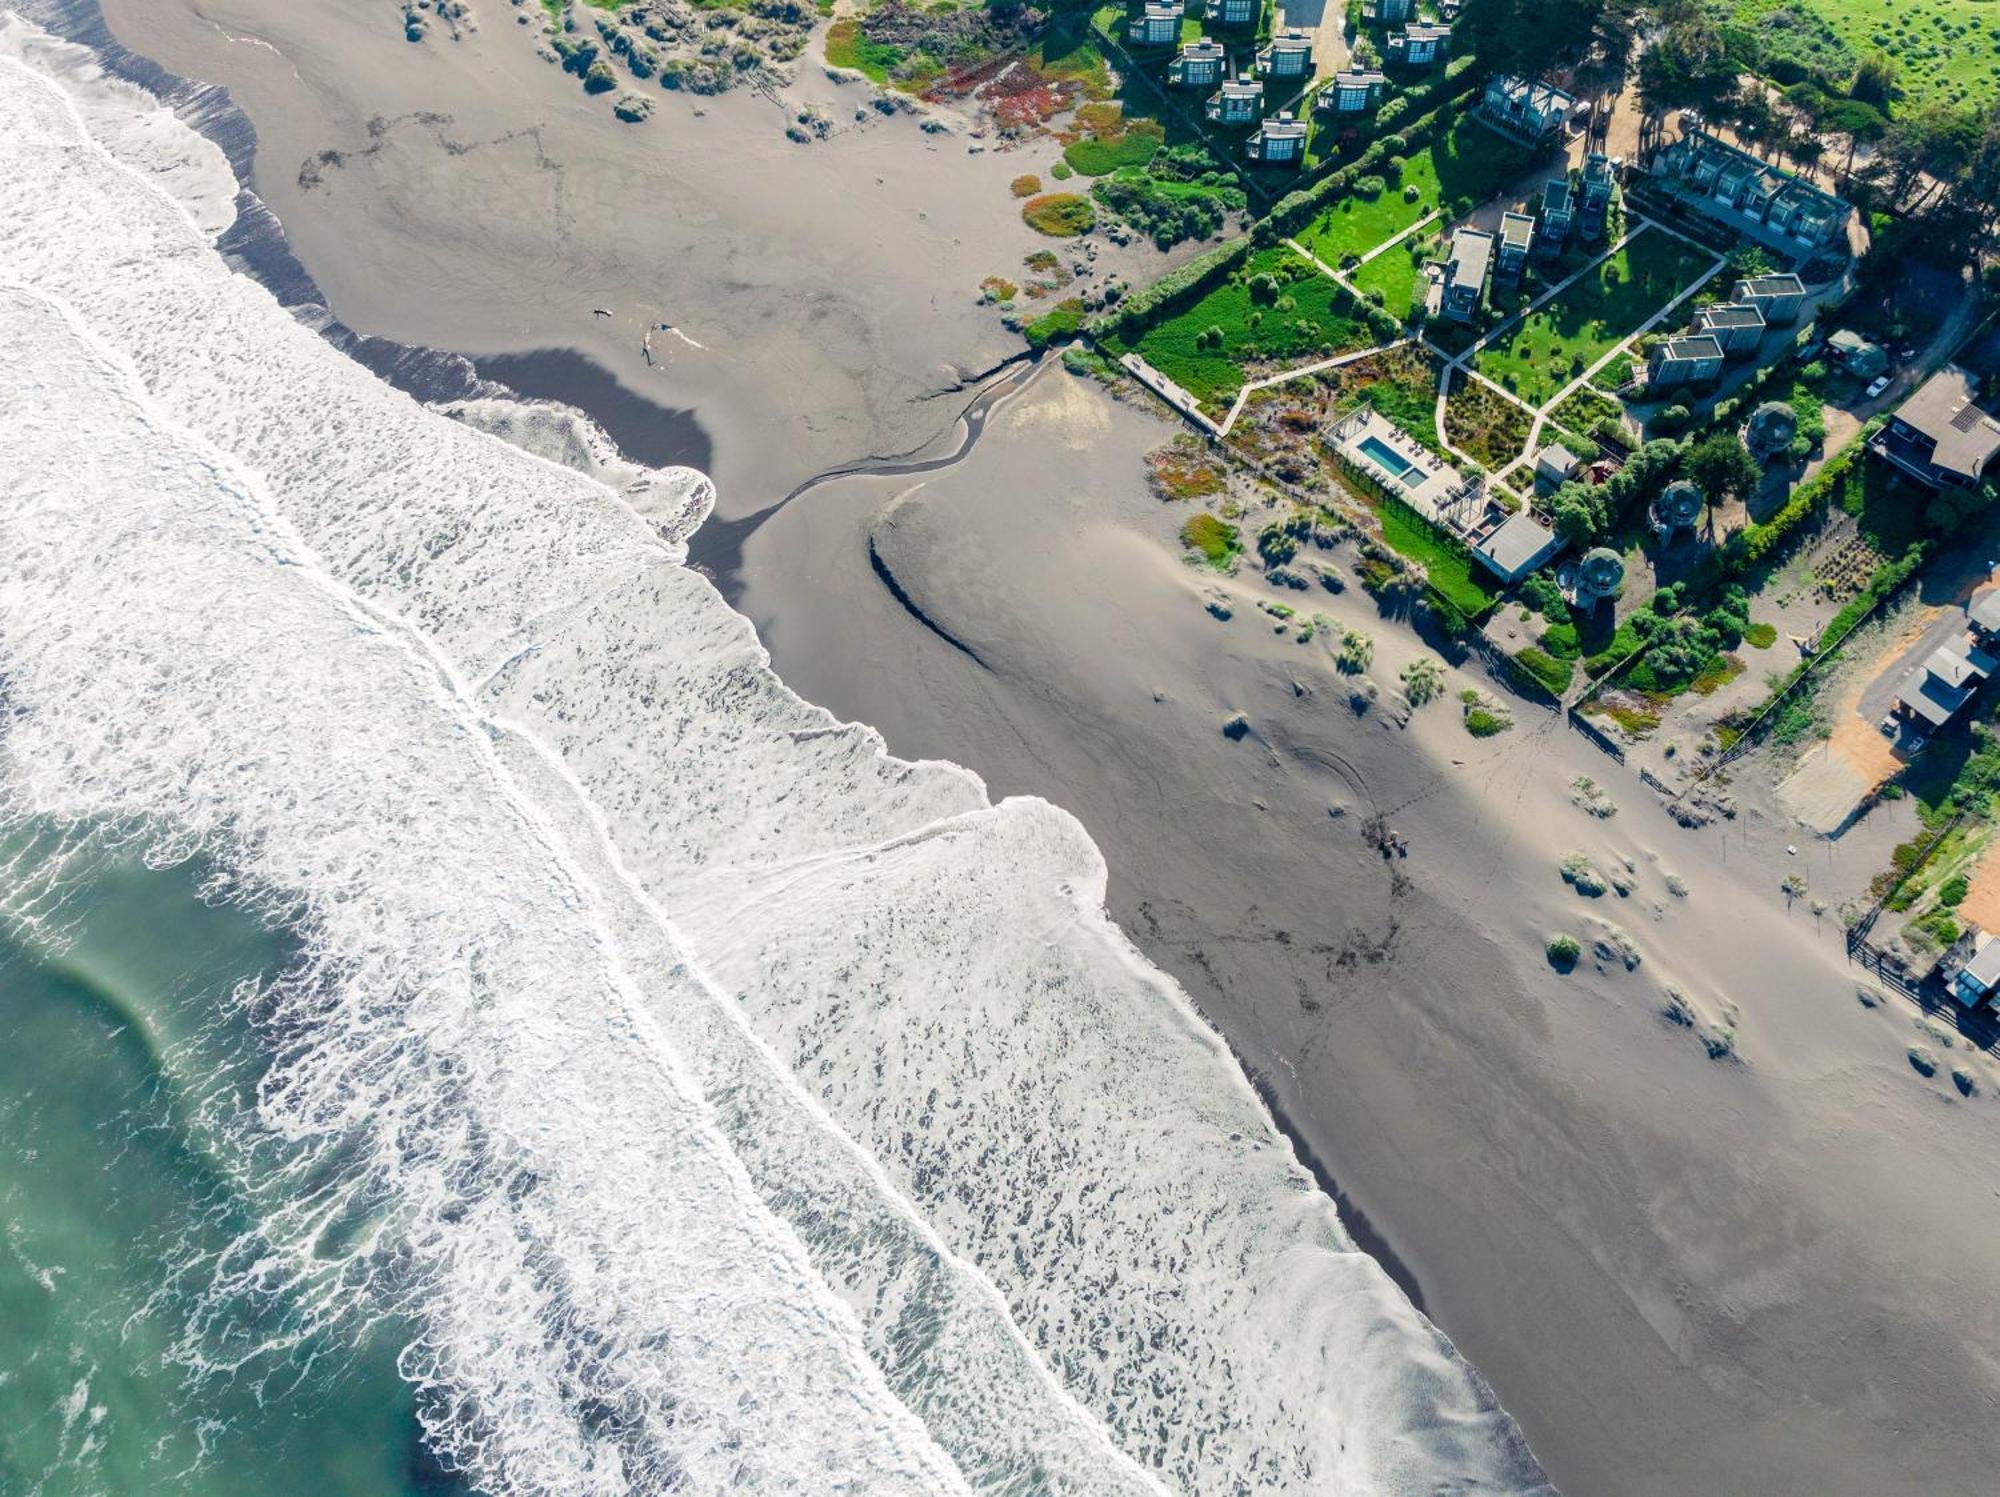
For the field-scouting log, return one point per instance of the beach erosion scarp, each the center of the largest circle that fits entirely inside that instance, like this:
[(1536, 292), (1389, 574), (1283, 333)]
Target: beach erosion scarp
[(708, 1062)]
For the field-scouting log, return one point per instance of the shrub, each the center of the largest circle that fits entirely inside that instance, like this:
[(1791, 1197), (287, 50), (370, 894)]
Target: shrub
[(1025, 186), (1671, 419), (1062, 171), (1423, 680), (1215, 541), (1953, 891), (1357, 650), (1564, 952), (1060, 215), (1063, 320), (1582, 875), (1544, 670), (1483, 723)]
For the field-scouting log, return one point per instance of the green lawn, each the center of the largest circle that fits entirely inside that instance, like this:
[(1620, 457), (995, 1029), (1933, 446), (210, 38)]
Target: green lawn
[(1557, 343), (1397, 275), (1453, 573), (1944, 49), (1461, 168), (1298, 315)]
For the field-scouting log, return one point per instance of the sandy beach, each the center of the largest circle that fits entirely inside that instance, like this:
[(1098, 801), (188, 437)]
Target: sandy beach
[(1766, 1271)]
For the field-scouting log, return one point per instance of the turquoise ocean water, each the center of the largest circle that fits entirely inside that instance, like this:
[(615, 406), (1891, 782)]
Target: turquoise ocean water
[(109, 1191)]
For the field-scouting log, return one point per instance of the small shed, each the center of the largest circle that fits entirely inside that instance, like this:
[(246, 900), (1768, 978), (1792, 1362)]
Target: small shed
[(1517, 547), (1555, 465), (1863, 359)]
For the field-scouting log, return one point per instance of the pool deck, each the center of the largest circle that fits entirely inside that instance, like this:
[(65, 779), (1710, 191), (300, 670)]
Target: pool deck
[(1427, 485)]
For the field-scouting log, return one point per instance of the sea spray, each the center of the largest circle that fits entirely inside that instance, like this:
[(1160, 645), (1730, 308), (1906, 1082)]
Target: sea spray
[(725, 1100)]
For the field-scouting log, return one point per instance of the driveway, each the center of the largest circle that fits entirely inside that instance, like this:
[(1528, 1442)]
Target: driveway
[(1327, 21)]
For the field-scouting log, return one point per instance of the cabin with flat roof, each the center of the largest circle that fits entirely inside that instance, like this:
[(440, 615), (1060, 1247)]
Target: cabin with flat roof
[(1779, 297), (1157, 25), (1199, 64), (1233, 12), (1940, 435), (1517, 240), (1289, 54), (1517, 546), (1558, 216), (1594, 190), (1757, 200), (1460, 280), (1279, 140), (1239, 101), (1420, 44), (1527, 110), (1738, 328), (1351, 91), (1684, 359)]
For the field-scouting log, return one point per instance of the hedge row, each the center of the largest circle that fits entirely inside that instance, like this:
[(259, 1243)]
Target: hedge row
[(1197, 275), (1754, 543)]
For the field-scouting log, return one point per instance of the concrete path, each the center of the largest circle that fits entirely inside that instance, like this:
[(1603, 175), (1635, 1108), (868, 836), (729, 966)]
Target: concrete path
[(1301, 372)]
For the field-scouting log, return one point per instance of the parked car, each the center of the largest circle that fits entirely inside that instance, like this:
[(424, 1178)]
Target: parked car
[(1880, 383)]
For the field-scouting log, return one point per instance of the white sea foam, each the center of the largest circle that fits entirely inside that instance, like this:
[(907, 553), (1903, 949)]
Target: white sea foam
[(727, 1103)]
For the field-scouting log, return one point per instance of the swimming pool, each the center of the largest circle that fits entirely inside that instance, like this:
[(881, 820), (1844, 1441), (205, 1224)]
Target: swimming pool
[(1387, 458)]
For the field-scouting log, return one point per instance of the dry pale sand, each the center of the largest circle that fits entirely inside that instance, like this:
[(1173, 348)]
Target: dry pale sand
[(1770, 1275)]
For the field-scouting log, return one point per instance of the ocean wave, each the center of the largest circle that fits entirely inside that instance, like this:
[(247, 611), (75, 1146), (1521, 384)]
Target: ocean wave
[(727, 1102)]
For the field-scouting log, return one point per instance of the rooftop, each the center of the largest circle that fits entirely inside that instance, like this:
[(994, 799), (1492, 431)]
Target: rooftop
[(1471, 252), (1555, 196), (1517, 230), (1559, 457), (1517, 545), (1985, 614), (1781, 284), (1359, 78), (1693, 346), (1984, 968), (1943, 410), (1730, 314), (1207, 49)]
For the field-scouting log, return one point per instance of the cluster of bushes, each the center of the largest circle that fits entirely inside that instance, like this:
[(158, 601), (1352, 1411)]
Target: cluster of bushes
[(1298, 208), (1169, 212), (1586, 512), (1682, 644)]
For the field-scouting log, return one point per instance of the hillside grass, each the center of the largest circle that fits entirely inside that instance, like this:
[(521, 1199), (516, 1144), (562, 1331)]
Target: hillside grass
[(1944, 49)]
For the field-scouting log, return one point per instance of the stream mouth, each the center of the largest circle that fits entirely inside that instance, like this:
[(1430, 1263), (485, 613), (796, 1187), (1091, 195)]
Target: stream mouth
[(716, 549)]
